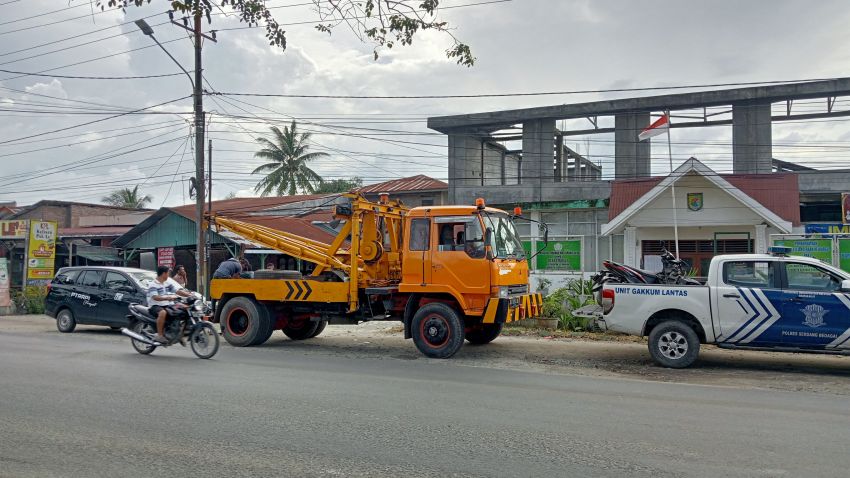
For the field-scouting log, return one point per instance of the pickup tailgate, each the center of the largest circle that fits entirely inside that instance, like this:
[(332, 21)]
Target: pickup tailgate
[(627, 307)]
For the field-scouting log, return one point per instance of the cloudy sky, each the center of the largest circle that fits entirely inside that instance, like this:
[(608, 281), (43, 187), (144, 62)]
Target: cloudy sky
[(520, 45)]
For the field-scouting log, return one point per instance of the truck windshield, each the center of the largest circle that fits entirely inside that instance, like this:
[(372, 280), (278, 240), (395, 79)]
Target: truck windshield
[(505, 240)]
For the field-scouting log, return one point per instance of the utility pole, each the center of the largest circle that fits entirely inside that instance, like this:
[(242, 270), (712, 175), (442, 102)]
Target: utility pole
[(198, 100), (201, 253)]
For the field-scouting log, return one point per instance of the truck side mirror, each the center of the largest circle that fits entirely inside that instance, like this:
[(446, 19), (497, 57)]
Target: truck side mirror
[(845, 285)]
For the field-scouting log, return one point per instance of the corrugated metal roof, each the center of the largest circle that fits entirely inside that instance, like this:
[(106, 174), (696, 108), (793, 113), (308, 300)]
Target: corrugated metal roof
[(778, 192), (94, 231), (245, 205), (419, 182)]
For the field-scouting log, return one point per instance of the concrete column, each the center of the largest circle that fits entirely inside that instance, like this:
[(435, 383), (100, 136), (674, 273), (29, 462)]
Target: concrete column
[(631, 157), (761, 239), (538, 154), (630, 246), (464, 162), (752, 139)]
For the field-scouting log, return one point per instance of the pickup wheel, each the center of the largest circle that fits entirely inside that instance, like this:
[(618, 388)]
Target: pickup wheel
[(244, 322), (437, 330), (673, 344), (484, 334)]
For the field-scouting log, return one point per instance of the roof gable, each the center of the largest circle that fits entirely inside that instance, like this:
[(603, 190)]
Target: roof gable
[(629, 197)]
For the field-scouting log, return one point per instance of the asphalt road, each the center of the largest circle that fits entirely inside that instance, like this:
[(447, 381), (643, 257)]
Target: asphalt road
[(87, 405)]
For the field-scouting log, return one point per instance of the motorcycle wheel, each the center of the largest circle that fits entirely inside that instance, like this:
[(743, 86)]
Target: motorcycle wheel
[(143, 328), (204, 341)]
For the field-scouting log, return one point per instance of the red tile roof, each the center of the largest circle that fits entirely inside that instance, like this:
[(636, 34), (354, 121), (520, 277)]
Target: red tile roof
[(413, 183), (778, 192), (245, 205)]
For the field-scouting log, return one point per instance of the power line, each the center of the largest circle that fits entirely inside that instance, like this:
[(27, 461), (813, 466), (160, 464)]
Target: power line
[(501, 95), (42, 14), (23, 73), (92, 122)]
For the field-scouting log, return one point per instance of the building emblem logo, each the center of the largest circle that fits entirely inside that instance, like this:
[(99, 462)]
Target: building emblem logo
[(694, 201), (814, 315)]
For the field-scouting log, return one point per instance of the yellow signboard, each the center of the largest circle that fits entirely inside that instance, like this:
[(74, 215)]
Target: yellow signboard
[(41, 251)]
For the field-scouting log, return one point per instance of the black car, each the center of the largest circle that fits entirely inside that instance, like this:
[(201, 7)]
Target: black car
[(95, 295)]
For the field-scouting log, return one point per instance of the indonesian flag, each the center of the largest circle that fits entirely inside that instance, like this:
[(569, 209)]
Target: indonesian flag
[(660, 126)]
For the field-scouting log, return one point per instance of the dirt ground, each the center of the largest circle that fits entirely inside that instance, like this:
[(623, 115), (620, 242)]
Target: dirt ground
[(608, 357)]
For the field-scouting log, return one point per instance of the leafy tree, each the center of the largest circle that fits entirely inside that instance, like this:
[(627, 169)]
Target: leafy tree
[(339, 185), (384, 23), (287, 172), (129, 198)]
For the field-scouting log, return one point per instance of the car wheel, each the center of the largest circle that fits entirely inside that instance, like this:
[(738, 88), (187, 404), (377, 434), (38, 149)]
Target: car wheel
[(673, 344), (65, 321)]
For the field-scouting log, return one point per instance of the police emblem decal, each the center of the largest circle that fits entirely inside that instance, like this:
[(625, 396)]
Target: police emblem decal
[(814, 315)]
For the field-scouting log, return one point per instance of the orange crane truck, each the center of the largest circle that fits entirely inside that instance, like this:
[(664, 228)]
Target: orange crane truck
[(448, 273)]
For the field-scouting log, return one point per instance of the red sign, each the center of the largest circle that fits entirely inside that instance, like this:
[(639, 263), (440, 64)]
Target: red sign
[(165, 256), (845, 208)]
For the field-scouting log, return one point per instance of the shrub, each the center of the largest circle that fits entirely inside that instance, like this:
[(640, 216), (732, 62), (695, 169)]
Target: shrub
[(561, 302), (31, 299)]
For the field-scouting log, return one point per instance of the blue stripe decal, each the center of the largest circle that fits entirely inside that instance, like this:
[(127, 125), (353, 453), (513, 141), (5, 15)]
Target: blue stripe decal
[(769, 316), (747, 322)]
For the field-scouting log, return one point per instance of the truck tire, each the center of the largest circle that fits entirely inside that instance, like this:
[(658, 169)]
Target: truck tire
[(265, 333), (484, 334), (267, 274), (244, 321), (320, 328), (673, 344), (437, 330), (302, 330)]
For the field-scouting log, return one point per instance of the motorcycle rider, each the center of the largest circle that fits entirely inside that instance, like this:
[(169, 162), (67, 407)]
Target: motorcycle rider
[(162, 294)]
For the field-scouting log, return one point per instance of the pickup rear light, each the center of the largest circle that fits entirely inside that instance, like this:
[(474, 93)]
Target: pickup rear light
[(607, 300)]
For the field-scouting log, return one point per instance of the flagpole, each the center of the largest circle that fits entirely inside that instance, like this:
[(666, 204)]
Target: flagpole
[(672, 186)]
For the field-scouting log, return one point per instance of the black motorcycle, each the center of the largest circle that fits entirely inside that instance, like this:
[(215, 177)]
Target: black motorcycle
[(191, 324), (672, 273)]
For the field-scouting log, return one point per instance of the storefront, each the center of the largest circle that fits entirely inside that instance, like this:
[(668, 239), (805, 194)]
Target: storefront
[(715, 214)]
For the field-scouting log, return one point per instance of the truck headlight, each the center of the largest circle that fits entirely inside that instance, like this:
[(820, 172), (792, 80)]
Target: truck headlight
[(504, 292)]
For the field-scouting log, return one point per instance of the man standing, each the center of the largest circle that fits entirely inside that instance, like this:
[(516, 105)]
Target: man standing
[(162, 294)]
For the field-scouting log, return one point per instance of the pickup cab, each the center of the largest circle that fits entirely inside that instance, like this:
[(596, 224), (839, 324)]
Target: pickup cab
[(750, 301)]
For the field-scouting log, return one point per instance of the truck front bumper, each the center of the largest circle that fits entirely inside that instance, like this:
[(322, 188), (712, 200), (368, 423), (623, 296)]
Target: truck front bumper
[(512, 309)]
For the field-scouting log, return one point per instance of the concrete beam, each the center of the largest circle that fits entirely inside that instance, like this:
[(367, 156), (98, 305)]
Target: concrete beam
[(762, 94), (631, 157), (520, 193), (752, 140), (464, 162)]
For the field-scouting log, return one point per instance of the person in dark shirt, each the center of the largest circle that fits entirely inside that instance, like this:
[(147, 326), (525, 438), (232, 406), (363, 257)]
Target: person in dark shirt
[(229, 269)]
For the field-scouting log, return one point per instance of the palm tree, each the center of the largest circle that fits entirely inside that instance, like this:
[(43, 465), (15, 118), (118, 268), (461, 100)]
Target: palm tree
[(287, 173), (129, 198)]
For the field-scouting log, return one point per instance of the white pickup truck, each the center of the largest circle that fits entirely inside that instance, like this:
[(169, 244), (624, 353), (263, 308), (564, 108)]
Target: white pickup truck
[(753, 301)]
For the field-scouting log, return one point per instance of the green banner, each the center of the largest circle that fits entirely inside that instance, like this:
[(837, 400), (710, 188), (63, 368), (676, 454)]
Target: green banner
[(820, 249), (560, 256), (844, 254)]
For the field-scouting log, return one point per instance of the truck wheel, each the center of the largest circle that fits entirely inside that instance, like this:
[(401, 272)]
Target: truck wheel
[(437, 330), (302, 329), (65, 321), (245, 321), (265, 333), (320, 328), (673, 344), (484, 334)]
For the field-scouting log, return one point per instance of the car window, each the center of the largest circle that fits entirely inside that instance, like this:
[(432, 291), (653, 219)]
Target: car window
[(115, 281), (810, 277), (66, 277), (753, 274), (89, 279)]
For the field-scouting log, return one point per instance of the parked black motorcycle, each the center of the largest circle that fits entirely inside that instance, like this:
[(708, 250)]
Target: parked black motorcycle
[(191, 324), (673, 273)]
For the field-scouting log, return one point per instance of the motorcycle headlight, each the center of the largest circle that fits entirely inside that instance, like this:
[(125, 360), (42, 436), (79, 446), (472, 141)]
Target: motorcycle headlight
[(198, 305)]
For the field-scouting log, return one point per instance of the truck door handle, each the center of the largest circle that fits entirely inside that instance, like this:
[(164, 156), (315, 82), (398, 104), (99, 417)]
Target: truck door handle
[(732, 296), (437, 266)]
